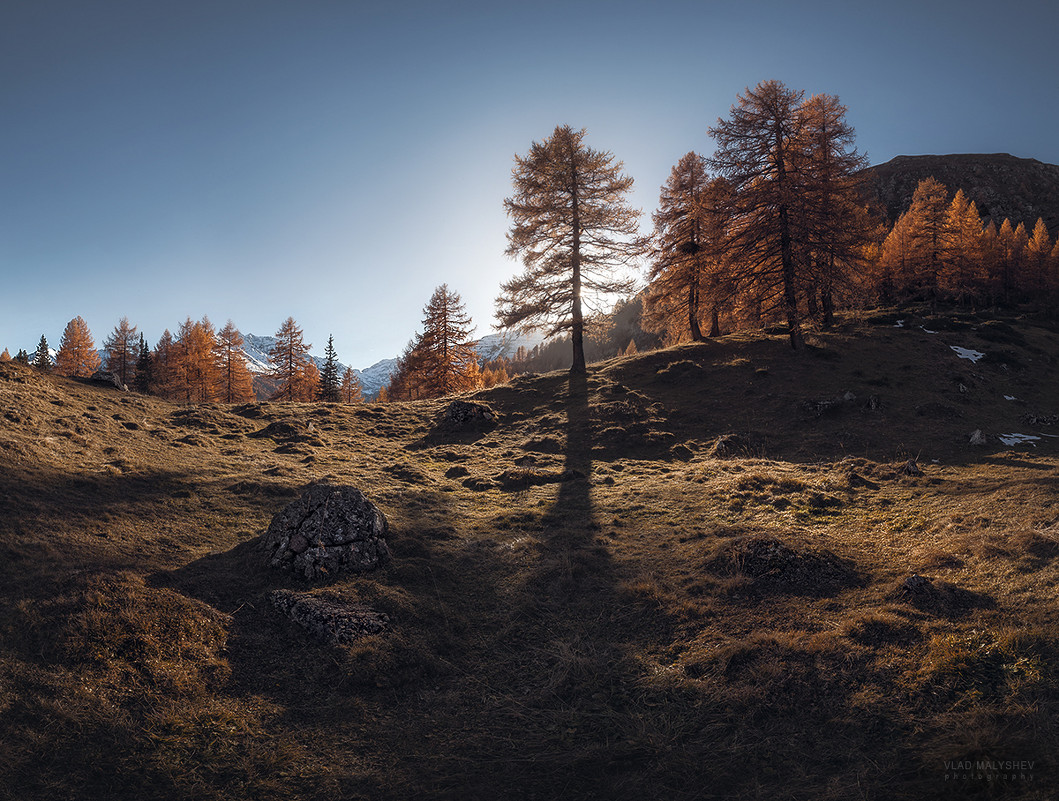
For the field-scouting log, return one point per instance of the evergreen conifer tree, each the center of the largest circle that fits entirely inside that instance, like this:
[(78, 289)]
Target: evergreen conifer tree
[(22, 357), (330, 389), (144, 368), (42, 356)]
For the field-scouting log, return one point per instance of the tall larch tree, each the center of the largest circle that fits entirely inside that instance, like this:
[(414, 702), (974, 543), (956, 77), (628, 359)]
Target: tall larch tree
[(689, 265), (197, 369), (573, 231), (1038, 252), (407, 379), (121, 350), (351, 390), (330, 387), (42, 356), (831, 220), (77, 354), (893, 276), (928, 220), (757, 150), (307, 387), (448, 360), (165, 367), (5, 356), (235, 384), (962, 276), (289, 357)]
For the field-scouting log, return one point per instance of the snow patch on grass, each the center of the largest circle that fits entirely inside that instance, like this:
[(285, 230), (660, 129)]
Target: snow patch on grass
[(967, 353)]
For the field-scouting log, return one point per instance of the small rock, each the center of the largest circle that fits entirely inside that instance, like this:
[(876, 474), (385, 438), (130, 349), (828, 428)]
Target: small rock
[(910, 468), (977, 437)]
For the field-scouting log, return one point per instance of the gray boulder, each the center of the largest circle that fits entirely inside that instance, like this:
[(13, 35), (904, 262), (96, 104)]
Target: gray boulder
[(329, 530)]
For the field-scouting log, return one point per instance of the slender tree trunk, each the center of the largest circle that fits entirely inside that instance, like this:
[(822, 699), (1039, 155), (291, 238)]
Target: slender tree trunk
[(693, 314), (715, 322), (790, 292), (810, 300), (827, 299), (577, 331), (790, 289)]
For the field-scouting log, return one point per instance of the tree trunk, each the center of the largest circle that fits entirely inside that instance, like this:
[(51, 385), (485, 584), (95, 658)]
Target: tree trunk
[(715, 322), (693, 314), (577, 330), (790, 292)]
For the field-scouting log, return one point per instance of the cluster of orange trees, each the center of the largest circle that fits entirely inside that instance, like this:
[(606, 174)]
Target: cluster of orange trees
[(199, 364), (778, 226), (939, 249)]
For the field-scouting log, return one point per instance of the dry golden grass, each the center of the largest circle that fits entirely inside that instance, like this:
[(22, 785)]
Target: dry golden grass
[(681, 578)]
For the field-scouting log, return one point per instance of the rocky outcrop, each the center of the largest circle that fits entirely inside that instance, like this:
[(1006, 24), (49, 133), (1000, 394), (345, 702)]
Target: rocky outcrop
[(327, 531), (329, 620), (462, 414), (771, 565)]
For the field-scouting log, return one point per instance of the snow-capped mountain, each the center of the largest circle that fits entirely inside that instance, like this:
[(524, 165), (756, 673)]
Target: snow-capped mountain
[(372, 379), (506, 344)]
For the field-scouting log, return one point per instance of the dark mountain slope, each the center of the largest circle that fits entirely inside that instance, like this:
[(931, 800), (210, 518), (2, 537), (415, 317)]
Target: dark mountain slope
[(1002, 186)]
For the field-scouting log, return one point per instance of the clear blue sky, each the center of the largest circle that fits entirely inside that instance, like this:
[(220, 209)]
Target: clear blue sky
[(336, 161)]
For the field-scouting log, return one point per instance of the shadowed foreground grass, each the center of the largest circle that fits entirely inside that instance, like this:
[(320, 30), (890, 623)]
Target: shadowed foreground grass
[(684, 577)]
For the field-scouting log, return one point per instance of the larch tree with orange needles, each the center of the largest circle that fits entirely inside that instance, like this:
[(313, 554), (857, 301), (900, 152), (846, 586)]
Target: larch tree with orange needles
[(689, 264), (448, 359), (197, 370), (77, 354), (757, 152), (235, 383), (121, 350), (351, 390), (289, 357)]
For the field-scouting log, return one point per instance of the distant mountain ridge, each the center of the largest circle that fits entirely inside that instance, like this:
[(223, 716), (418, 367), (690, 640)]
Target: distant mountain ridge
[(1001, 185)]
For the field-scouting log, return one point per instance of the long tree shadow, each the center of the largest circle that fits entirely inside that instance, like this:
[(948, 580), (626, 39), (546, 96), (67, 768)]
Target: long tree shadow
[(568, 734)]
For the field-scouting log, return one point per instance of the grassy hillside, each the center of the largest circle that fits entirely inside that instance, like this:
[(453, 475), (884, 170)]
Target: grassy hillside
[(685, 577)]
